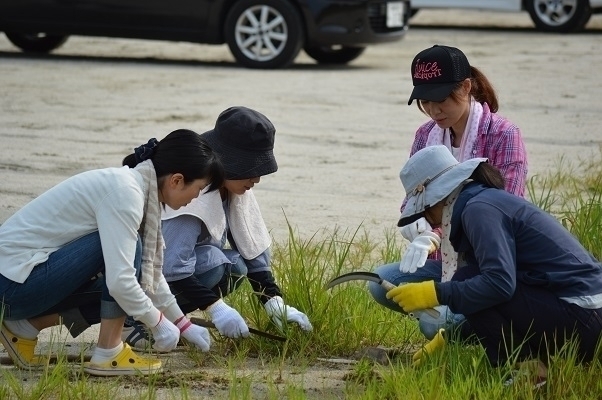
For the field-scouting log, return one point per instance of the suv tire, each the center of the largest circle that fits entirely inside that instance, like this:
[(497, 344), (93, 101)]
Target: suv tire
[(559, 16), (264, 33), (334, 55), (36, 42)]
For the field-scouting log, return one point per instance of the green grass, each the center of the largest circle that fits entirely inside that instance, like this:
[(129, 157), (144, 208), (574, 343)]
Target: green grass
[(573, 193), (346, 319)]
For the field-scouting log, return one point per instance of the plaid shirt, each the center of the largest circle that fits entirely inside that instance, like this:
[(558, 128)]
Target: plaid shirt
[(500, 141)]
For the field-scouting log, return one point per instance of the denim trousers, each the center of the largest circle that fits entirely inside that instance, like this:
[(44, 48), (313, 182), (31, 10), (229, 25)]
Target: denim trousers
[(428, 325), (535, 322), (70, 283)]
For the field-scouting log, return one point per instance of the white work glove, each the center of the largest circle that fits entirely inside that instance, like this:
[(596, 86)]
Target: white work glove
[(227, 320), (281, 313), (411, 231), (417, 252), (195, 334), (165, 334)]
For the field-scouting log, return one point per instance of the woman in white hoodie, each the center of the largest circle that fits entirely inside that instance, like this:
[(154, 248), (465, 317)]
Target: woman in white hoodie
[(198, 267), (90, 250)]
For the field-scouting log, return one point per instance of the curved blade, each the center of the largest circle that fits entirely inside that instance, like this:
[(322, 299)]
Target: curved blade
[(373, 277), (354, 276)]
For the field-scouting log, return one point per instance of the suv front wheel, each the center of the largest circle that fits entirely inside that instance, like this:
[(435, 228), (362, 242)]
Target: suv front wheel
[(333, 54), (264, 33), (559, 15)]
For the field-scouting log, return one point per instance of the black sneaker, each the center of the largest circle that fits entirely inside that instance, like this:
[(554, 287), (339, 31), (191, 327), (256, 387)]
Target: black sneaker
[(137, 336)]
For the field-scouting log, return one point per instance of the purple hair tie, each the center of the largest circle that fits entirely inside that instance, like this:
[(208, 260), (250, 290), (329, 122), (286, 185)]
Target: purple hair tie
[(145, 151)]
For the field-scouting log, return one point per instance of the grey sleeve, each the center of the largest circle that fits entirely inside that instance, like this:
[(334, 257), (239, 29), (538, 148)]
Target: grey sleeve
[(180, 235)]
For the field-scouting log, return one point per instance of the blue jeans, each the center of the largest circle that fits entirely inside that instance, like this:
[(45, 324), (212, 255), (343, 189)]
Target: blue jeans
[(234, 273), (71, 283), (431, 270)]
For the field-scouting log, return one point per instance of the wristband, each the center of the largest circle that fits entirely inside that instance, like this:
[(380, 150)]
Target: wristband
[(183, 323)]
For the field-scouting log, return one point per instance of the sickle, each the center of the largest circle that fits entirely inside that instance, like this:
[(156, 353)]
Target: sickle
[(373, 277), (208, 324)]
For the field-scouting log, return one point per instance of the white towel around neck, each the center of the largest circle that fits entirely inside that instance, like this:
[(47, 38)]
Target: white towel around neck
[(244, 218)]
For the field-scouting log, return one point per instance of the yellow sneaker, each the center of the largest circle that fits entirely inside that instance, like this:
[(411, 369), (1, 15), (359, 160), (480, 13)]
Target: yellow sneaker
[(125, 363), (21, 351)]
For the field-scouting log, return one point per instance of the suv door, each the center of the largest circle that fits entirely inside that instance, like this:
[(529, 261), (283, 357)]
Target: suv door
[(127, 18)]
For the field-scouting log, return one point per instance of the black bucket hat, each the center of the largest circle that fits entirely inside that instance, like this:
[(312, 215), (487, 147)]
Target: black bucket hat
[(244, 140)]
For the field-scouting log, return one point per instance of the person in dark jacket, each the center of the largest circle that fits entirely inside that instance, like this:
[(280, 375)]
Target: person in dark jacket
[(198, 266), (524, 283)]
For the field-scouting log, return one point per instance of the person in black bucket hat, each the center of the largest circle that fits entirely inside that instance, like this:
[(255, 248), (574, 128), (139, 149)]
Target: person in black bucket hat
[(199, 270), (244, 139)]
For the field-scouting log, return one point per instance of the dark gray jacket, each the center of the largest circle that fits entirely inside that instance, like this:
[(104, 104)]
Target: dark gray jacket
[(511, 240)]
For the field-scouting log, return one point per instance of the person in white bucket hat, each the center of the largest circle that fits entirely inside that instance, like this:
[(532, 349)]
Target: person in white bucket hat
[(525, 284), (462, 107)]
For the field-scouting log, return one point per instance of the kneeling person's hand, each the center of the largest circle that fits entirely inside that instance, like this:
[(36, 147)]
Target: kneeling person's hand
[(281, 313), (195, 334), (435, 345), (227, 320), (165, 334), (414, 296), (418, 251)]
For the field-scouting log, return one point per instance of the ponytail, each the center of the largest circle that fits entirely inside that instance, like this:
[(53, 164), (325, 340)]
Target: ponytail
[(482, 90), (488, 175)]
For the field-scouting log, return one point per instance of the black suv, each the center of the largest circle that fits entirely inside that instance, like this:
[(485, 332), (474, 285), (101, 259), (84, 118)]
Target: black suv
[(260, 33)]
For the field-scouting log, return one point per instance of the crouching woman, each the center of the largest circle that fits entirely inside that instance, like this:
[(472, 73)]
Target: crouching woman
[(90, 250), (525, 284)]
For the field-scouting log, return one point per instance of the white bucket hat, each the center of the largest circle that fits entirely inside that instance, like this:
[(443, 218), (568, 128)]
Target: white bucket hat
[(429, 176)]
